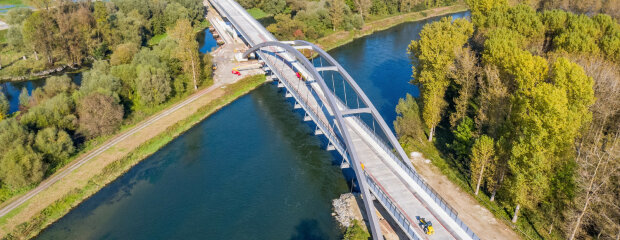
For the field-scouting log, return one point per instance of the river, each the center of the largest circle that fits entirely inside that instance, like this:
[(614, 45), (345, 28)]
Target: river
[(253, 170)]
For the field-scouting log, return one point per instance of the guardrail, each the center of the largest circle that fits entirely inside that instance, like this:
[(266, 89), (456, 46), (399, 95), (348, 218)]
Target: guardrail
[(414, 175), (312, 111), (391, 207)]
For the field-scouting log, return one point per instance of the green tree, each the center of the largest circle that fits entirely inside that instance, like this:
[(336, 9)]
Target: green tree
[(481, 10), (56, 145), (132, 27), (55, 85), (363, 7), (408, 123), (15, 17), (463, 138), (154, 87), (433, 54), (123, 54), (482, 160), (24, 98), (39, 31), (287, 28), (579, 35), (175, 11), (99, 114), (273, 7), (336, 13), (99, 79), (55, 112), (22, 166), (463, 72), (547, 120), (187, 50), (4, 105)]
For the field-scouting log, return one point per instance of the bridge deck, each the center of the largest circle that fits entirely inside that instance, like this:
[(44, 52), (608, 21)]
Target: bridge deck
[(399, 187)]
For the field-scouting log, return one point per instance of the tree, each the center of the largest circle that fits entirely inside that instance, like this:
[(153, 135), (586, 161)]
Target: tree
[(99, 79), (463, 138), (363, 7), (15, 17), (22, 166), (175, 11), (40, 4), (123, 53), (55, 85), (99, 114), (287, 28), (187, 51), (481, 10), (75, 23), (56, 145), (132, 27), (594, 210), (4, 105), (433, 54), (336, 13), (39, 33), (24, 99), (547, 120), (463, 72), (55, 112), (273, 7), (154, 85), (482, 159), (579, 35), (408, 123)]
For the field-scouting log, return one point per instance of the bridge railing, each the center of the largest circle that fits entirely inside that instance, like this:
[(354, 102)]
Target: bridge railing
[(416, 177), (397, 214), (313, 111)]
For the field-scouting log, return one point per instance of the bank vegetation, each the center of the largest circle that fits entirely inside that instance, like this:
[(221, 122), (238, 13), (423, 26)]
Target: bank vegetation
[(521, 107), (127, 81)]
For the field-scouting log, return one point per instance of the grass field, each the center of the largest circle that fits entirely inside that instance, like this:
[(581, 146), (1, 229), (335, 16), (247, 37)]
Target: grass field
[(257, 13)]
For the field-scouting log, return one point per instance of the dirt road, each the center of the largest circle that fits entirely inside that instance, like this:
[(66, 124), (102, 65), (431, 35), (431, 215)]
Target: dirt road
[(478, 218)]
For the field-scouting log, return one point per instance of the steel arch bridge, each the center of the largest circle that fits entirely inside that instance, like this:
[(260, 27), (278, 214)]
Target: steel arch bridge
[(382, 168)]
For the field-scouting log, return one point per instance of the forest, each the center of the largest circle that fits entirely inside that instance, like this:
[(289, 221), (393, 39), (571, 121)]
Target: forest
[(310, 20), (525, 105), (126, 81)]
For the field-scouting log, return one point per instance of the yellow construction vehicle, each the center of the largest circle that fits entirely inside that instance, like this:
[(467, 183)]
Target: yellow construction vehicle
[(427, 226)]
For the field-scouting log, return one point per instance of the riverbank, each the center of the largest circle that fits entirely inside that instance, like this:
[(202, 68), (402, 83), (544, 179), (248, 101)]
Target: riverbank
[(38, 212), (340, 38)]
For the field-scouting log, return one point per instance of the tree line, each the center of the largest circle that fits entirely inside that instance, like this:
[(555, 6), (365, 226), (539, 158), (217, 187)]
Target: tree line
[(58, 119), (76, 32), (300, 19), (529, 103)]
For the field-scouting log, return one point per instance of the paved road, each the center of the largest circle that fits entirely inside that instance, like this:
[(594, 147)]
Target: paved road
[(96, 152)]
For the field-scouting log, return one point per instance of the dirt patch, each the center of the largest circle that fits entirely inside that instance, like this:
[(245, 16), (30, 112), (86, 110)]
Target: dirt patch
[(475, 216)]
